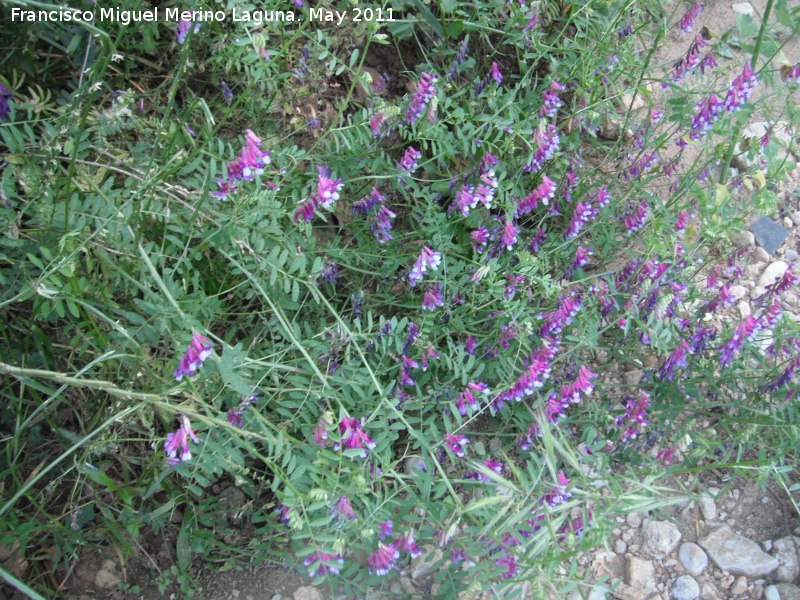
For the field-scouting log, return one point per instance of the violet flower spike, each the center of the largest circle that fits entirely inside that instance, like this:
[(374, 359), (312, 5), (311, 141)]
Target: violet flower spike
[(382, 561), (426, 91), (197, 352), (690, 17), (329, 563), (179, 442)]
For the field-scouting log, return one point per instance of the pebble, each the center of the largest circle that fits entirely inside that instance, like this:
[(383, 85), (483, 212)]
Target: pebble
[(738, 292), (693, 559), (620, 547), (786, 553), (641, 575), (707, 505), (744, 309), (743, 8), (659, 538), (768, 234), (772, 273), (308, 592), (599, 592), (790, 255), (757, 292), (736, 554), (739, 587), (744, 238), (783, 591), (760, 255), (634, 520), (788, 223), (685, 588), (633, 377)]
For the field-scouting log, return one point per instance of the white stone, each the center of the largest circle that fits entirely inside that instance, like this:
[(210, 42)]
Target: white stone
[(738, 292), (685, 588), (744, 238), (772, 273), (757, 292), (692, 557), (640, 575), (760, 255), (743, 8), (659, 538), (772, 593), (708, 507), (786, 553), (739, 587), (620, 547), (308, 592), (737, 554), (634, 520), (744, 310), (599, 592)]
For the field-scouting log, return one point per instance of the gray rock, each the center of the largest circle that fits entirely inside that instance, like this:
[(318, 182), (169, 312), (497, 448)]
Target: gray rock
[(760, 255), (708, 507), (659, 538), (633, 377), (422, 564), (738, 291), (641, 575), (693, 559), (599, 592), (744, 238), (790, 255), (768, 234), (107, 577), (633, 520), (786, 553), (232, 499), (772, 273), (609, 130), (757, 292), (308, 592), (782, 591), (685, 588), (620, 547), (753, 271), (739, 586), (736, 554)]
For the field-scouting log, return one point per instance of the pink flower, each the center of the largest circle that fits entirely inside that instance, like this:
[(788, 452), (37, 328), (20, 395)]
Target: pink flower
[(740, 90), (551, 102), (635, 415), (386, 529), (406, 544), (479, 239), (198, 351), (353, 436), (547, 141), (426, 91), (690, 17), (321, 433), (253, 159), (456, 444), (179, 442), (182, 30), (428, 259), (510, 232), (329, 563), (343, 511), (382, 561), (432, 298), (582, 384)]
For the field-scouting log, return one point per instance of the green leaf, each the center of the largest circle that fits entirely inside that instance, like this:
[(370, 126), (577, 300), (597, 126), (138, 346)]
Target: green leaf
[(183, 547), (448, 6), (231, 357)]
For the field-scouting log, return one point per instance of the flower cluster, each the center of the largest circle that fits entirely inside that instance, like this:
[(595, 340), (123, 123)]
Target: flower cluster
[(428, 259), (547, 143), (468, 398), (550, 101), (581, 216), (182, 29), (382, 220), (179, 442), (5, 108), (326, 195), (494, 75), (432, 298), (245, 167), (235, 414), (426, 91), (469, 196), (322, 564), (635, 417), (747, 330), (709, 111), (353, 437), (543, 193), (197, 352), (458, 60), (690, 17)]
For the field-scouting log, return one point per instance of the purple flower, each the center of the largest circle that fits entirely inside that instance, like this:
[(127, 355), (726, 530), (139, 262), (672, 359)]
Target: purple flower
[(225, 188), (406, 543), (582, 384), (329, 563), (432, 298), (383, 225), (429, 353), (353, 436), (179, 442), (581, 258), (547, 142), (411, 338), (5, 108), (509, 563), (343, 511), (635, 219), (635, 416), (382, 561), (678, 358), (283, 511), (235, 418), (458, 61), (321, 433), (197, 352), (707, 114), (536, 241), (467, 397), (480, 237), (602, 197), (568, 306), (510, 232), (558, 494), (494, 75), (368, 202), (683, 218), (690, 17), (253, 159), (327, 189), (740, 90), (428, 259), (747, 330), (544, 192), (227, 94), (709, 62), (405, 370), (581, 216), (329, 274), (408, 164), (386, 529), (456, 444), (793, 74), (182, 30), (551, 101), (470, 345), (426, 91)]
